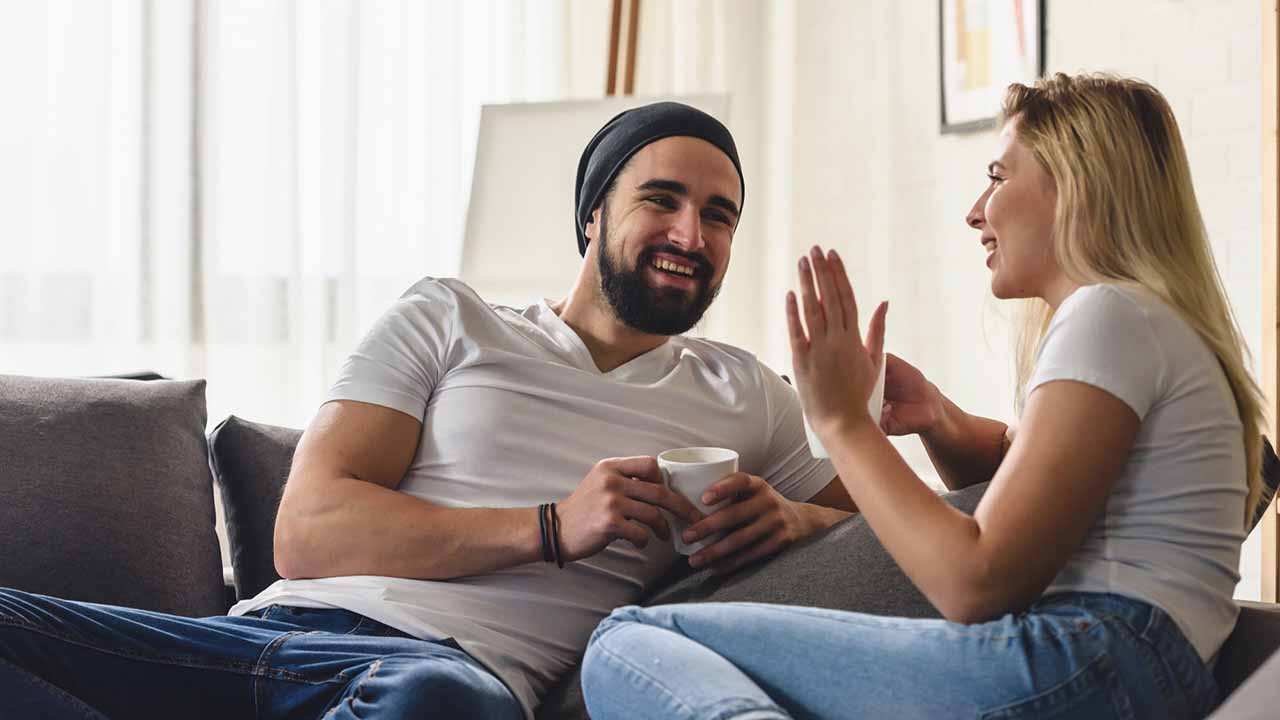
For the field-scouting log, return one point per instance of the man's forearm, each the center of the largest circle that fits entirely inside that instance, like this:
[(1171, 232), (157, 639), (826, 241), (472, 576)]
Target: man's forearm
[(345, 526), (965, 449)]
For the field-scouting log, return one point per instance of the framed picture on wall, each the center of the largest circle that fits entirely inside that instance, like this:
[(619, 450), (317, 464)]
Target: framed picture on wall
[(984, 46)]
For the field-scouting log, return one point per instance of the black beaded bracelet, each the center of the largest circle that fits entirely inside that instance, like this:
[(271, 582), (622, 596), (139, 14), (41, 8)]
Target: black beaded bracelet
[(555, 536)]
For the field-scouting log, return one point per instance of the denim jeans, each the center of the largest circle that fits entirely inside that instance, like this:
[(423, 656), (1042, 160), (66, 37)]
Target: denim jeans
[(59, 658), (1076, 655)]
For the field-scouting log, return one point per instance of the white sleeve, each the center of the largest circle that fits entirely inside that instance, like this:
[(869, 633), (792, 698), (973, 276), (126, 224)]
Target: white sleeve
[(400, 361), (789, 466), (1104, 339)]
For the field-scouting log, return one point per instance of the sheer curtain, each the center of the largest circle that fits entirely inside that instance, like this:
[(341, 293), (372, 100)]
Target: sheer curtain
[(235, 189)]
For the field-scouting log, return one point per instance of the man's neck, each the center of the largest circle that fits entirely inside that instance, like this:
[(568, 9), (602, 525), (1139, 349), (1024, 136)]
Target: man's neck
[(610, 342)]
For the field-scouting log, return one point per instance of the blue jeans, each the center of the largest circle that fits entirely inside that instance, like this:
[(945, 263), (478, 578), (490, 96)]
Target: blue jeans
[(1070, 656), (59, 659)]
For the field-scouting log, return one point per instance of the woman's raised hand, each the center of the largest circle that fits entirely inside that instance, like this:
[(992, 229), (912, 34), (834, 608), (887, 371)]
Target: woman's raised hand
[(835, 370)]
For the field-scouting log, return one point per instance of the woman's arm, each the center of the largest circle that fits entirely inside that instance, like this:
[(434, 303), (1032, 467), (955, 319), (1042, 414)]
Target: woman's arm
[(965, 449), (1073, 443)]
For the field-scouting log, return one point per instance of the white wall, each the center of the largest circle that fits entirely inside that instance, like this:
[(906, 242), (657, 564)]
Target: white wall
[(1206, 56), (836, 106)]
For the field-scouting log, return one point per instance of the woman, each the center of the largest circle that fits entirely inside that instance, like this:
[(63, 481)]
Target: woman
[(1095, 578)]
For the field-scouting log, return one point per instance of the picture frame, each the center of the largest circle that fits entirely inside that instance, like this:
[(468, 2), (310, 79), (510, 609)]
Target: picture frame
[(983, 46)]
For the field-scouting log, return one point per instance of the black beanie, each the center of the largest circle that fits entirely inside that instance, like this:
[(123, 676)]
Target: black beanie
[(624, 135)]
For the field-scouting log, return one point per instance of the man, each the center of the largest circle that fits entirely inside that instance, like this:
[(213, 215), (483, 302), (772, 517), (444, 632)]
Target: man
[(410, 533)]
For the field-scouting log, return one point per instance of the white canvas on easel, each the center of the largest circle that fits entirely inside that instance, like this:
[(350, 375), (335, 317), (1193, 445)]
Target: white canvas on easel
[(519, 244)]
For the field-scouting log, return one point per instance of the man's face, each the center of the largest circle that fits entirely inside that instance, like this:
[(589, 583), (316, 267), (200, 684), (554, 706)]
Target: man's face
[(664, 232)]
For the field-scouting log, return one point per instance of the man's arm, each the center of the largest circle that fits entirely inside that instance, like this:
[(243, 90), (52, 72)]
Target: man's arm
[(341, 514)]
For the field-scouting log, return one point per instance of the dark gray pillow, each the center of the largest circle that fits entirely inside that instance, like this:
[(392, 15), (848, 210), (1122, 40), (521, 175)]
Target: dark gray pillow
[(106, 493), (250, 464), (1270, 479), (842, 568)]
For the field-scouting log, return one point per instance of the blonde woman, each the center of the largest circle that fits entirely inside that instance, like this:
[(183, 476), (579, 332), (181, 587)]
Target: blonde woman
[(1095, 578)]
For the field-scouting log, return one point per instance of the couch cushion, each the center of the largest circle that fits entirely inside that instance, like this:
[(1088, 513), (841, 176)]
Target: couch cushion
[(1256, 699), (250, 464), (843, 568), (1255, 638), (107, 493)]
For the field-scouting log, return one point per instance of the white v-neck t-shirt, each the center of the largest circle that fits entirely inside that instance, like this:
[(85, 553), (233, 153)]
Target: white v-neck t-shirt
[(515, 413), (1171, 530)]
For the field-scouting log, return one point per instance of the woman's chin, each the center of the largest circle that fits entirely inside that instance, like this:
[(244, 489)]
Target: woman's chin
[(1002, 291), (997, 290)]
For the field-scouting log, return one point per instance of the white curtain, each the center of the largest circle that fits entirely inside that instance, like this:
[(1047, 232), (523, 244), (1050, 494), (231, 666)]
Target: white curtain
[(235, 189)]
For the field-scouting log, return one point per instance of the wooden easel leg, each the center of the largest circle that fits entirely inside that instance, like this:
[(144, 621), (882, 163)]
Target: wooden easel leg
[(615, 33)]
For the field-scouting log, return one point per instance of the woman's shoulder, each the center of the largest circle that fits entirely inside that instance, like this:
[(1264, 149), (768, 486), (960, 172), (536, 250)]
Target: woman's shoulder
[(1110, 295), (1109, 336), (1111, 307), (1121, 305)]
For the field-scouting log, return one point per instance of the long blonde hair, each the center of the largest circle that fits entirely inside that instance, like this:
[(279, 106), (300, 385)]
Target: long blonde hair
[(1127, 213)]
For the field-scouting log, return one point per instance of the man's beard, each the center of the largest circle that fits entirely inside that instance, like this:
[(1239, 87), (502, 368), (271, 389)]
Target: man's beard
[(657, 311)]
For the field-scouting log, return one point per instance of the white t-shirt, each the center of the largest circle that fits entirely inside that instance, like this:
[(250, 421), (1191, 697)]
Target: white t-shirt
[(1171, 531), (515, 413)]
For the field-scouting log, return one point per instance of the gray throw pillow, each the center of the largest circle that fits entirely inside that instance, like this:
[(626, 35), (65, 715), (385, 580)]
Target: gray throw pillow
[(107, 495), (250, 464), (842, 568), (1270, 479)]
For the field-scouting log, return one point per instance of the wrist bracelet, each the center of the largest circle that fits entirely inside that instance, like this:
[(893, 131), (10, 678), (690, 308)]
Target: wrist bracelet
[(555, 536), (542, 528)]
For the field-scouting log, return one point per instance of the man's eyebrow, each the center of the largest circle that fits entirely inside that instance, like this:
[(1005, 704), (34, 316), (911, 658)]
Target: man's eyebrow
[(679, 188), (723, 203)]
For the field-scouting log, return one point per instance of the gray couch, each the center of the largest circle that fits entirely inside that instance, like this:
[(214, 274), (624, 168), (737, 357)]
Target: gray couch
[(107, 489)]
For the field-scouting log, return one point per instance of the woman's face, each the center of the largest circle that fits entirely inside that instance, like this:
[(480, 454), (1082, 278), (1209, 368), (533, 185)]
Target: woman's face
[(1015, 215)]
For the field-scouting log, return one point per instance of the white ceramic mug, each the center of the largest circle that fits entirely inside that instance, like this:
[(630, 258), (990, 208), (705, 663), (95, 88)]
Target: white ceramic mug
[(690, 472), (874, 406)]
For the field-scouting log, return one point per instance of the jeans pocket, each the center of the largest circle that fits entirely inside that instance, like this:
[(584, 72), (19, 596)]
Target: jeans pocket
[(1093, 691), (1186, 682)]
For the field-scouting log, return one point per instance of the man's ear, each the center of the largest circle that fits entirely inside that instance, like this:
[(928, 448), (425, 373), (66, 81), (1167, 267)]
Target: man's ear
[(592, 223)]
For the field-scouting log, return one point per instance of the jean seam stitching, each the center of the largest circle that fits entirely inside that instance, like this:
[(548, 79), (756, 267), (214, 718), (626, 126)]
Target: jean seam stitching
[(260, 669), (181, 661), (1148, 638), (1057, 633), (998, 710)]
